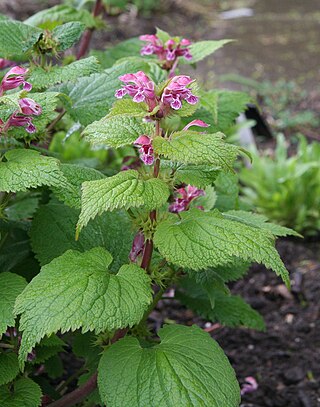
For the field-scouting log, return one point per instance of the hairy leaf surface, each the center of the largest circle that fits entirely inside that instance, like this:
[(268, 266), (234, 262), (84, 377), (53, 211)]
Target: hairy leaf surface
[(187, 368), (28, 169), (11, 285), (124, 190), (9, 367), (202, 239), (191, 147), (202, 49), (76, 290)]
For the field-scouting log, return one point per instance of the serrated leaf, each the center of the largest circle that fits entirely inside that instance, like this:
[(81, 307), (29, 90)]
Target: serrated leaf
[(227, 272), (199, 240), (41, 78), (61, 14), (77, 291), (9, 367), (23, 206), (229, 310), (57, 223), (25, 393), (75, 175), (11, 285), (68, 34), (197, 175), (28, 169), (93, 96), (127, 107), (116, 131), (202, 49), (191, 147), (187, 368), (124, 190), (14, 37), (260, 222), (162, 35)]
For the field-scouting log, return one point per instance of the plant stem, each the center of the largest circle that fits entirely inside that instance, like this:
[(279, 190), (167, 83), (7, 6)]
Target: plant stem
[(56, 120), (86, 38), (6, 346), (64, 384), (77, 395)]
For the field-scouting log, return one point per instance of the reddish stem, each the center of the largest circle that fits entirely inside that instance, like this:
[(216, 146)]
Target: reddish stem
[(86, 38)]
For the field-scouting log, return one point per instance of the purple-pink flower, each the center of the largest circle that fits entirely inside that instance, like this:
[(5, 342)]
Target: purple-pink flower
[(250, 385), (146, 149), (139, 87), (14, 78), (185, 197), (177, 90), (167, 52), (30, 107), (137, 247), (196, 122), (23, 118)]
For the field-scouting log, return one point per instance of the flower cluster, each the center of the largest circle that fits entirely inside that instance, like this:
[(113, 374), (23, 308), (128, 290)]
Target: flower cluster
[(142, 89), (185, 197), (167, 52), (23, 117), (14, 78), (146, 149)]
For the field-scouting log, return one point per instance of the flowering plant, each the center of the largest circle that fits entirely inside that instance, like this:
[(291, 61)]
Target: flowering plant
[(96, 249)]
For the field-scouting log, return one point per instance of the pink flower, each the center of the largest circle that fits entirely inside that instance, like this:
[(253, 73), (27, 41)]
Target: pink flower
[(18, 120), (139, 87), (30, 107), (168, 52), (197, 122), (249, 386), (186, 196), (14, 78), (5, 63), (146, 149), (137, 247), (177, 91)]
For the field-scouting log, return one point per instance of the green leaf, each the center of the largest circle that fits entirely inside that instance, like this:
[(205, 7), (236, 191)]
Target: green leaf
[(123, 190), (75, 175), (202, 239), (54, 367), (9, 367), (76, 291), (60, 14), (124, 49), (187, 368), (229, 310), (197, 175), (202, 49), (28, 169), (41, 78), (25, 393), (191, 147), (68, 34), (15, 39), (93, 96), (163, 35), (57, 223), (127, 107), (260, 222), (11, 285), (116, 131), (227, 188), (23, 206)]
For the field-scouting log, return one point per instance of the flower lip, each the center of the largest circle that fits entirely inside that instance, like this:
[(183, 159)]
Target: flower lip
[(14, 78), (30, 107)]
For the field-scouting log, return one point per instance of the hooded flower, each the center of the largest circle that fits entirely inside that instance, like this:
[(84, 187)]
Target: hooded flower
[(137, 247), (14, 78), (18, 120), (196, 122), (177, 90), (30, 107), (145, 150), (185, 197), (167, 52), (139, 87)]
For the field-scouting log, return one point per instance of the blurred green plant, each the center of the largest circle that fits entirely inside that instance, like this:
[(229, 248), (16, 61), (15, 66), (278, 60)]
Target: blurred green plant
[(286, 190), (281, 101)]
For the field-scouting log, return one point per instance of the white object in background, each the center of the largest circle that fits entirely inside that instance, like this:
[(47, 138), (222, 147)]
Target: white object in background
[(237, 13)]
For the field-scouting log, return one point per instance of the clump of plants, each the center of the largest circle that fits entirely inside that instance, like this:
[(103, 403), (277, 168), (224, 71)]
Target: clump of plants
[(286, 189), (87, 253)]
